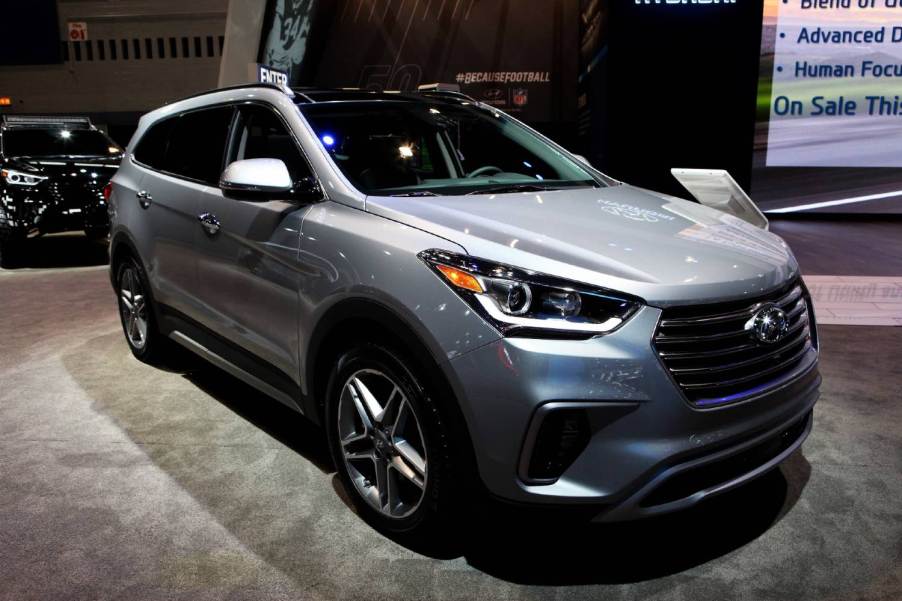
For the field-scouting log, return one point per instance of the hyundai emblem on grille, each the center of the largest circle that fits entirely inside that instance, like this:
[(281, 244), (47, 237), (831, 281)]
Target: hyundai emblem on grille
[(770, 324)]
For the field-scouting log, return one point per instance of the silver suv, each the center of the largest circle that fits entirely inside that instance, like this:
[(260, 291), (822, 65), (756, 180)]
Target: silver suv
[(461, 303)]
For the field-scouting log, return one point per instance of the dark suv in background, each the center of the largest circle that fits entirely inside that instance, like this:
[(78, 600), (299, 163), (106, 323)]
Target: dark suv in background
[(53, 171)]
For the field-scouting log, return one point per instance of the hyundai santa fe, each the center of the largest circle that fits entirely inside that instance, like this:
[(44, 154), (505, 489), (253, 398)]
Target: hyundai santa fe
[(53, 171), (463, 305)]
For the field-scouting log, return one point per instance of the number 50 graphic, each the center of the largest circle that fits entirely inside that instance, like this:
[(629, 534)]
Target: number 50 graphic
[(390, 77)]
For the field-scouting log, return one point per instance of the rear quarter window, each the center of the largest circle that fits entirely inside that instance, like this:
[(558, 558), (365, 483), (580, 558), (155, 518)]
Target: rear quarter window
[(151, 148)]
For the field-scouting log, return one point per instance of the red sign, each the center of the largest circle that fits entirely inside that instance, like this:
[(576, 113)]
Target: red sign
[(78, 31)]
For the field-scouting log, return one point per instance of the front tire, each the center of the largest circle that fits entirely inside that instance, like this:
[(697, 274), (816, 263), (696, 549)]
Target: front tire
[(389, 443)]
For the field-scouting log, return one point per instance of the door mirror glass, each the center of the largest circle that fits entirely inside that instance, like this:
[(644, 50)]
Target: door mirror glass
[(256, 177), (307, 188)]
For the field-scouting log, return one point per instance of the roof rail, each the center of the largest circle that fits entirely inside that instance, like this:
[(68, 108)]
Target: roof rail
[(33, 120), (308, 94), (438, 87), (443, 89), (446, 94), (241, 86)]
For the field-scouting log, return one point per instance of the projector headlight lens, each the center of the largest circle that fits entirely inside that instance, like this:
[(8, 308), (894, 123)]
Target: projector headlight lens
[(522, 303), (21, 178)]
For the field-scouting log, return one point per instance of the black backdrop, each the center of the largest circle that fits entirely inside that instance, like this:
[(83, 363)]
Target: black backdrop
[(681, 86), (670, 85), (29, 34)]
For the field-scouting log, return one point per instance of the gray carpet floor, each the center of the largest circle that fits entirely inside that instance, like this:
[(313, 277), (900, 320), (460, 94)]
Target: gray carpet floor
[(120, 481)]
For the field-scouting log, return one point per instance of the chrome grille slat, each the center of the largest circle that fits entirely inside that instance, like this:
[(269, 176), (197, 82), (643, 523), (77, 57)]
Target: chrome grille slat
[(668, 338), (684, 339), (765, 372), (744, 363), (794, 295), (712, 357), (704, 354)]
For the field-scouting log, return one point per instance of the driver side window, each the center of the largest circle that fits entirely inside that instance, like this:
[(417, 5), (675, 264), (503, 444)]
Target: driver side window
[(262, 135)]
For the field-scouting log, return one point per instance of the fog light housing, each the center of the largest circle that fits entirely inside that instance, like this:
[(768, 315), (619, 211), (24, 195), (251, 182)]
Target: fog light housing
[(561, 437)]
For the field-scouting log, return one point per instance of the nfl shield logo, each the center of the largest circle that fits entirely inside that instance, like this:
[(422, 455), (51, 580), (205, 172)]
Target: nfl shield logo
[(520, 96)]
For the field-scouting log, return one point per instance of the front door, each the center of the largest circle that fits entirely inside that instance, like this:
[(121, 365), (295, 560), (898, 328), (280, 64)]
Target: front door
[(247, 267)]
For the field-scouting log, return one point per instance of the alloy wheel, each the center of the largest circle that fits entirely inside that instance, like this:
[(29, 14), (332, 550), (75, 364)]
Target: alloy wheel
[(133, 307), (382, 443)]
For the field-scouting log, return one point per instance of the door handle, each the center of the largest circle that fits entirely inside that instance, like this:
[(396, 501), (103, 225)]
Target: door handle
[(209, 222), (144, 199)]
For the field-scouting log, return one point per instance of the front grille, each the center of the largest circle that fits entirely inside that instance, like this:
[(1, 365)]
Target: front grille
[(715, 360), (74, 194)]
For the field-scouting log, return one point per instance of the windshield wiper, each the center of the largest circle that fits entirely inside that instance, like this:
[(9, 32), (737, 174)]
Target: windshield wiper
[(512, 188), (417, 193)]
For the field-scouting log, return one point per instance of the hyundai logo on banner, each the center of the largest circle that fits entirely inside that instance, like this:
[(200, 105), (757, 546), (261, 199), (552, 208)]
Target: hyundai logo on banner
[(266, 74)]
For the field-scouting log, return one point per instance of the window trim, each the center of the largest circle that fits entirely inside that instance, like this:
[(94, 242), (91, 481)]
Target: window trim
[(297, 144), (235, 105)]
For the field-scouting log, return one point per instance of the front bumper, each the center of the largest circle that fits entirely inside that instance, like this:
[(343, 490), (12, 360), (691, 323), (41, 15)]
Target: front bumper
[(645, 437), (48, 208)]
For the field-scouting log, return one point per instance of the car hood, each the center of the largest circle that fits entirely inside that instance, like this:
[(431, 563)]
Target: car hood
[(663, 249)]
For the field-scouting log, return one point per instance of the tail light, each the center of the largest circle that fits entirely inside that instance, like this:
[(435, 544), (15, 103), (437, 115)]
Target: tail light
[(107, 191)]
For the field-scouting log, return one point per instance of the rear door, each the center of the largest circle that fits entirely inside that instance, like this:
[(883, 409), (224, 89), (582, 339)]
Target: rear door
[(248, 268), (190, 151)]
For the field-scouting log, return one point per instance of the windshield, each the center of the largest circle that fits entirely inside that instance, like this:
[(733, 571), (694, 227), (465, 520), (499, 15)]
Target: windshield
[(57, 142), (417, 148)]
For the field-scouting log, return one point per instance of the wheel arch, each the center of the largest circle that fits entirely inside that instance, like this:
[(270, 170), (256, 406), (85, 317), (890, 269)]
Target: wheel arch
[(121, 246), (359, 319)]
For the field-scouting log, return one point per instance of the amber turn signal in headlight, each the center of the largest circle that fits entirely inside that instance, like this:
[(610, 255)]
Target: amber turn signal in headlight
[(460, 278), (525, 303)]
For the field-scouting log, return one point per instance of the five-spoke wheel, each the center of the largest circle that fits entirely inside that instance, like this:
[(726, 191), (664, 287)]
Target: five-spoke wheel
[(391, 442), (382, 443)]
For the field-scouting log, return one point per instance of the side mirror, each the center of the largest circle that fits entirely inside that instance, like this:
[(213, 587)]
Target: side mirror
[(255, 177), (308, 188)]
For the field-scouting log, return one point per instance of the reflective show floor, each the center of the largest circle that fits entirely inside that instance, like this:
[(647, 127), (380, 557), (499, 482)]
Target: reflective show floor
[(118, 480)]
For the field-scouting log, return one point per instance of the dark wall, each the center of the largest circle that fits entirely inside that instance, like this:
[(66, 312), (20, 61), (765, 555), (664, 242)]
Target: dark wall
[(29, 33), (637, 88), (681, 88), (518, 55)]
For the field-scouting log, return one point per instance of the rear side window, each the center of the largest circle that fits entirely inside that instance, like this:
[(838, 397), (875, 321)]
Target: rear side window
[(197, 144), (191, 145)]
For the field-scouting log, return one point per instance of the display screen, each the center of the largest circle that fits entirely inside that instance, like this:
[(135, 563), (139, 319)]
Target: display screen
[(829, 127)]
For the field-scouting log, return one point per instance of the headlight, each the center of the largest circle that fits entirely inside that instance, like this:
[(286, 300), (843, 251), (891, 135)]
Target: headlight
[(21, 178), (524, 303)]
